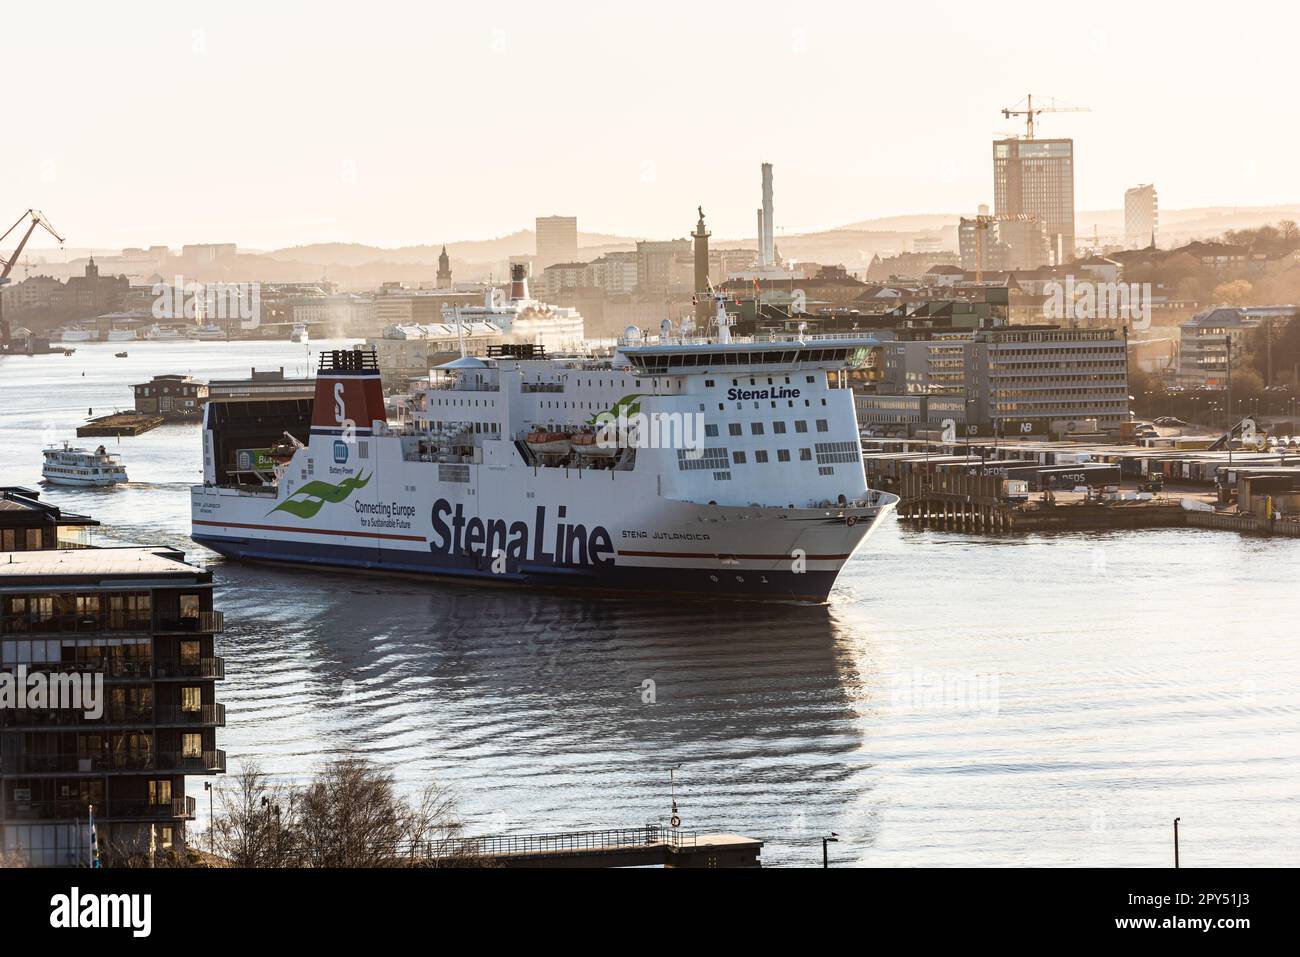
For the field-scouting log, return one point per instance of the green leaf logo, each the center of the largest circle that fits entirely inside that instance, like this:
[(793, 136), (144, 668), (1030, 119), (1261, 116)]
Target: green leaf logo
[(309, 499), (630, 405)]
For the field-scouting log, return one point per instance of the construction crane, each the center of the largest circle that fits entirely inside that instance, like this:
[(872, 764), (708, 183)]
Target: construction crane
[(7, 265), (1030, 111)]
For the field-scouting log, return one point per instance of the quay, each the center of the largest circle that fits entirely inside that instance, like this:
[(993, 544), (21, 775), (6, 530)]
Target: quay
[(978, 503), (119, 424), (1034, 491), (648, 846)]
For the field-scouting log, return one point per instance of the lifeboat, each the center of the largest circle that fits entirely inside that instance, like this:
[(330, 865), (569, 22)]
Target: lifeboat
[(585, 443), (544, 442)]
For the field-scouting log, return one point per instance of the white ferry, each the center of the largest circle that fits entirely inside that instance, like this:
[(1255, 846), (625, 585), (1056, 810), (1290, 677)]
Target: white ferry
[(211, 332), (78, 334), (72, 466), (299, 332), (505, 469), (160, 333)]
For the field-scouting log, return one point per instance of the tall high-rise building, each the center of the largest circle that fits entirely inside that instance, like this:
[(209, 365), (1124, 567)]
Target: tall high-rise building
[(1141, 216), (557, 240), (1036, 178)]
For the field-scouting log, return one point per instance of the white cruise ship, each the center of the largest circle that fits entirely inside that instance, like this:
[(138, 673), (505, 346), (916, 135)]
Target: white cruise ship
[(724, 468), (299, 332), (73, 466)]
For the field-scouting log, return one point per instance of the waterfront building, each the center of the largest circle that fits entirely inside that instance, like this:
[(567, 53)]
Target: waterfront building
[(1035, 177), (140, 620), (1009, 374), (172, 396), (28, 524), (1039, 374)]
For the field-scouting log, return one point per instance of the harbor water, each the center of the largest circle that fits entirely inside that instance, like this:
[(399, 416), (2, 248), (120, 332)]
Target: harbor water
[(961, 700)]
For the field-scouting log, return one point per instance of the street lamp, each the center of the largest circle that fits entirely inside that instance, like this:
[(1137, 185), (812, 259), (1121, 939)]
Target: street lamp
[(833, 839), (212, 821)]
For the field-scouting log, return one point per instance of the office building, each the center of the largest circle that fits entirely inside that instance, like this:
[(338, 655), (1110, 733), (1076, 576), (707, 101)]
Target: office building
[(1141, 217), (557, 240), (1036, 178)]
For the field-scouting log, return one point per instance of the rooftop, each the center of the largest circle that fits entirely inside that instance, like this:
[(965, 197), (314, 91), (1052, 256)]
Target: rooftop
[(125, 562)]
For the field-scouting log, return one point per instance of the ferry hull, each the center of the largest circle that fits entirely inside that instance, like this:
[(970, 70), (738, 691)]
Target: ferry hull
[(808, 586), (667, 547)]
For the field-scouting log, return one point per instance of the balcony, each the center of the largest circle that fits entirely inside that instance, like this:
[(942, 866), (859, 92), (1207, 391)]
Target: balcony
[(208, 714), (195, 762), (197, 668), (177, 808), (192, 762), (206, 623)]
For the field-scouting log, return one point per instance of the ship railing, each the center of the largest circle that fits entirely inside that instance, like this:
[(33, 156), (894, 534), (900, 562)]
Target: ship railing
[(509, 845)]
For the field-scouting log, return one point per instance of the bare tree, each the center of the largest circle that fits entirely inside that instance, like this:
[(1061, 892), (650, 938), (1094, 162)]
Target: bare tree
[(254, 826), (350, 815)]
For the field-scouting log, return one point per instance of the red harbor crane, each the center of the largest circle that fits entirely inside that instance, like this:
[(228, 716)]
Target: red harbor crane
[(7, 265)]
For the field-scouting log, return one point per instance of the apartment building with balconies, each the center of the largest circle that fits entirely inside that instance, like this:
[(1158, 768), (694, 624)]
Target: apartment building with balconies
[(139, 622)]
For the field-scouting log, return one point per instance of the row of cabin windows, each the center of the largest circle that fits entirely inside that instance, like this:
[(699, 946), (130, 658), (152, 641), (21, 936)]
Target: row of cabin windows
[(757, 428), (753, 380), (760, 456), (788, 402), (726, 476), (480, 428)]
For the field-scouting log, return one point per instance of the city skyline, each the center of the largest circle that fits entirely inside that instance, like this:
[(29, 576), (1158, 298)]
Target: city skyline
[(340, 156)]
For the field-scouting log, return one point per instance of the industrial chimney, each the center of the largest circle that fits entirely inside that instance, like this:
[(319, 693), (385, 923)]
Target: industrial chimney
[(768, 245), (518, 282)]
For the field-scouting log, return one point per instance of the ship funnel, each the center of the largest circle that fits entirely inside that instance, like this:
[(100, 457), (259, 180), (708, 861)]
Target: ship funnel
[(349, 393), (518, 282)]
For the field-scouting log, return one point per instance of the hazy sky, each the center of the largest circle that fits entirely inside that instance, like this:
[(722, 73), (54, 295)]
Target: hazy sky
[(276, 123)]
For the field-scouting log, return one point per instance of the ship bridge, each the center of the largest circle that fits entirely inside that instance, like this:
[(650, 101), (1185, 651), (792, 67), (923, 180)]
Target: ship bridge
[(693, 356)]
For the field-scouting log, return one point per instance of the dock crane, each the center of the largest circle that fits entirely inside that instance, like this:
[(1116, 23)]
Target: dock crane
[(7, 265), (1030, 111)]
